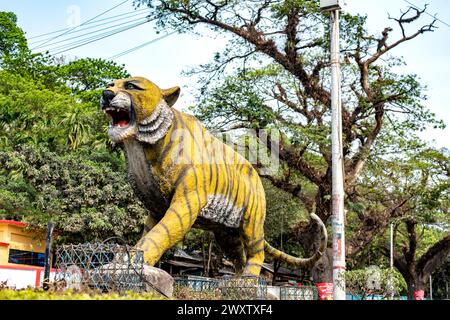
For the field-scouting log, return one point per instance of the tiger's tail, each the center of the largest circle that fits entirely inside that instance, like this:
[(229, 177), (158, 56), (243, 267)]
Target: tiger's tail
[(300, 262)]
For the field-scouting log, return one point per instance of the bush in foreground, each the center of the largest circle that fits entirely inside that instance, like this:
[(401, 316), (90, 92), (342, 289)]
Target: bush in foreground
[(39, 294)]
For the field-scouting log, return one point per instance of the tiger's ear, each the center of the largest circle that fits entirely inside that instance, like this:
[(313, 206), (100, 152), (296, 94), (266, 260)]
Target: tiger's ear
[(171, 95)]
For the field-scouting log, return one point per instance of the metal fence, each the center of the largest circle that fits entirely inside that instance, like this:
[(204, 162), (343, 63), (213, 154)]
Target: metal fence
[(100, 266), (299, 293), (231, 288), (197, 283), (244, 288)]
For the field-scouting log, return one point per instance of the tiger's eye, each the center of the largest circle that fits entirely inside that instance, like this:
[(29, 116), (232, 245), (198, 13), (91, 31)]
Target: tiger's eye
[(129, 86)]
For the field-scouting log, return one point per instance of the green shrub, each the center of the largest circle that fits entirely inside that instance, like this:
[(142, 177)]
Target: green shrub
[(39, 294)]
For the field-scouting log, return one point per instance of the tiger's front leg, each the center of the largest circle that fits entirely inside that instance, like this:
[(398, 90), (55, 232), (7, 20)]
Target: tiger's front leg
[(149, 224), (171, 229)]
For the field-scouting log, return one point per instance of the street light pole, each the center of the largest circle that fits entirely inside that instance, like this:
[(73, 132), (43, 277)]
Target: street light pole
[(48, 254), (391, 251), (391, 260), (337, 194), (431, 288), (337, 159)]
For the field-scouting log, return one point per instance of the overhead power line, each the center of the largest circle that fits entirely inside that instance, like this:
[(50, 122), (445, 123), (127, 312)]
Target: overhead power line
[(100, 37), (140, 46), (92, 33), (84, 23), (97, 37), (88, 29), (128, 14), (433, 16)]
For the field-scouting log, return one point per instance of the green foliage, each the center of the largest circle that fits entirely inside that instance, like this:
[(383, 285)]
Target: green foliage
[(374, 281), (281, 214), (56, 162), (45, 100), (31, 113), (234, 102), (12, 39), (86, 196), (88, 77), (38, 294)]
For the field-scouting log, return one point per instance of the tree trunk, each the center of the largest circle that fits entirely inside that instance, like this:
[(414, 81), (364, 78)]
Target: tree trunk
[(308, 236), (323, 269), (276, 267), (416, 284)]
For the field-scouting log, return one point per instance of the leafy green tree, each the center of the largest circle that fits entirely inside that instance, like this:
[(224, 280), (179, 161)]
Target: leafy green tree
[(87, 196), (416, 267), (16, 57), (12, 41), (440, 281), (47, 100), (55, 161), (411, 191), (88, 77), (370, 282)]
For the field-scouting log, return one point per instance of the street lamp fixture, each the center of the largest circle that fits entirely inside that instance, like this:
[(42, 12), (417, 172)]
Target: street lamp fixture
[(329, 5)]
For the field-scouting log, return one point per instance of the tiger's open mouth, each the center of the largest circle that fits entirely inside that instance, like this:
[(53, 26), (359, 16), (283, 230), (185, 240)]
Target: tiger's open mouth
[(119, 117), (121, 112)]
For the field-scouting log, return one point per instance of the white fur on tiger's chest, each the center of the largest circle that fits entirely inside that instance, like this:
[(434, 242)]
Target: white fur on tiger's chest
[(221, 210)]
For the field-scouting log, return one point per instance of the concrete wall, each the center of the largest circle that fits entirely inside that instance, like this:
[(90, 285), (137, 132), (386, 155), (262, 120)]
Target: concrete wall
[(14, 235), (18, 277)]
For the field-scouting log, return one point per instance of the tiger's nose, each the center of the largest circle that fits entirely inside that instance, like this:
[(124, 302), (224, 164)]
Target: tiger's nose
[(107, 96)]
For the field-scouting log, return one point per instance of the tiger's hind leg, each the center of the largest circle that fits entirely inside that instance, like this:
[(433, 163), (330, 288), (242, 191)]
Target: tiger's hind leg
[(253, 233), (231, 244), (255, 257)]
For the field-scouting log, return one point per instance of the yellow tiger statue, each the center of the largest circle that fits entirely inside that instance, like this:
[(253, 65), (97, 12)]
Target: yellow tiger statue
[(186, 177)]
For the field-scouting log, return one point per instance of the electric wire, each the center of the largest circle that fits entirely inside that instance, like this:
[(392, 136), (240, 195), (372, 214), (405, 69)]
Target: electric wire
[(92, 33), (80, 43), (84, 42), (140, 46), (94, 26), (84, 23), (109, 18)]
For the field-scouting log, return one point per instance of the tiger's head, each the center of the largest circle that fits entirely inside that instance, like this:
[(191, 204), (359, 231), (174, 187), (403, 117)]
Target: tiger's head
[(138, 109)]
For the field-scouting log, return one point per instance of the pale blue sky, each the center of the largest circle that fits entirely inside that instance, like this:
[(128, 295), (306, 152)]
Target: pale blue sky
[(163, 62)]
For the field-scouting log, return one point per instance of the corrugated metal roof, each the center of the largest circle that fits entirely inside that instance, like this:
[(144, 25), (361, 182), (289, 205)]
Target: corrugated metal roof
[(184, 264)]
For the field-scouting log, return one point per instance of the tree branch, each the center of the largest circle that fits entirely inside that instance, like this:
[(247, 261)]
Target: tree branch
[(293, 157), (434, 257)]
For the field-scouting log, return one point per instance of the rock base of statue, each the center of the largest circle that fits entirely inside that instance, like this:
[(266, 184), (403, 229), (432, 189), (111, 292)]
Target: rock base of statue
[(158, 281), (119, 277)]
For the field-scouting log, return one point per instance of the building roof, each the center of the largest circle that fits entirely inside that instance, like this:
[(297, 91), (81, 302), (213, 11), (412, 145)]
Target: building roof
[(189, 256), (14, 223), (282, 271), (184, 264)]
